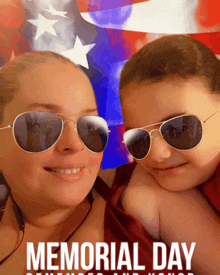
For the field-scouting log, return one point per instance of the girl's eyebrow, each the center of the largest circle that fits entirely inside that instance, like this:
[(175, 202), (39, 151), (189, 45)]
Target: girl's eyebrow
[(172, 116), (165, 119)]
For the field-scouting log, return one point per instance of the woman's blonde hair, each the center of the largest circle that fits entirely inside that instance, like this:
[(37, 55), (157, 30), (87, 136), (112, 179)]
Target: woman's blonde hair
[(11, 71)]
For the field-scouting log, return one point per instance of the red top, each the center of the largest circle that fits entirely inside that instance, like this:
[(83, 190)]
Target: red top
[(120, 227), (212, 190)]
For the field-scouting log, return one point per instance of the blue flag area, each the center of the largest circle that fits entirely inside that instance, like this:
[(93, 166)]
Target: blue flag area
[(99, 36), (59, 27)]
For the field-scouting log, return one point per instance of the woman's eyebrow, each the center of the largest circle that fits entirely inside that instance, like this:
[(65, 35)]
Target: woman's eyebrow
[(52, 107), (89, 110), (56, 108)]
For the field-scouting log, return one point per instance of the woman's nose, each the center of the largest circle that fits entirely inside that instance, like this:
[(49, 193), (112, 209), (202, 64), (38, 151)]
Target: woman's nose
[(160, 150), (69, 140)]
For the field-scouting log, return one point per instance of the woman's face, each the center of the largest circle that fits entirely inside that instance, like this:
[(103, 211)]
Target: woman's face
[(55, 88), (148, 103)]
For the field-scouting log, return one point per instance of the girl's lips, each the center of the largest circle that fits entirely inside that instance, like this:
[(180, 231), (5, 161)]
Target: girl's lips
[(170, 167), (170, 170)]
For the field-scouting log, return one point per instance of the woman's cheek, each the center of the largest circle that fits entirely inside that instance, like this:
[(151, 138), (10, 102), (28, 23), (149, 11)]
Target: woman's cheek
[(95, 162)]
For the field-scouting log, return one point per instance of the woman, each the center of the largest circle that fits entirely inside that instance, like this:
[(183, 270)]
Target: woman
[(51, 149), (49, 170), (169, 92)]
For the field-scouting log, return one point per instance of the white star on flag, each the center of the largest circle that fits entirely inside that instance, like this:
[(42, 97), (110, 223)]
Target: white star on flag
[(43, 25), (78, 53), (53, 11)]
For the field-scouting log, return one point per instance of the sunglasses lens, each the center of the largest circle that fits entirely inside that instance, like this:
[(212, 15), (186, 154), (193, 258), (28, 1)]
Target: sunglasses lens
[(183, 132), (37, 131), (93, 131), (137, 142)]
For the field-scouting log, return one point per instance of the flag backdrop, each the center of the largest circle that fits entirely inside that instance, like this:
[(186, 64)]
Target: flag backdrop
[(100, 35)]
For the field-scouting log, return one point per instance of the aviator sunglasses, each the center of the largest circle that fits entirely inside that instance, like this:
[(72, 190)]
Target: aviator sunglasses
[(183, 132), (36, 132)]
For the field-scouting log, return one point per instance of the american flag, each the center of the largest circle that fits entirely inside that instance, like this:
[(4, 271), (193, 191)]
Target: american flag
[(100, 35)]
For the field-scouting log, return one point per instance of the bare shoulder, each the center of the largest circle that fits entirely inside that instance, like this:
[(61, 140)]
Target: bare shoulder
[(140, 200)]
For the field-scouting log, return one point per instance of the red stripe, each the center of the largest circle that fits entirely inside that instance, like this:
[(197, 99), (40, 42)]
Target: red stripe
[(83, 6), (211, 40), (12, 14), (135, 40), (207, 13)]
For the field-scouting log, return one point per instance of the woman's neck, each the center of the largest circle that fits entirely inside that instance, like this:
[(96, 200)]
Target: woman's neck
[(47, 219)]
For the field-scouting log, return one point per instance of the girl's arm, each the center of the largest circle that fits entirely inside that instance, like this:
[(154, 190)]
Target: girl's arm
[(140, 200), (183, 217)]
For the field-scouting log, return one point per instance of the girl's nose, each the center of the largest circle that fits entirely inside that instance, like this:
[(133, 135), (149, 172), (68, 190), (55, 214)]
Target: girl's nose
[(69, 140), (160, 150)]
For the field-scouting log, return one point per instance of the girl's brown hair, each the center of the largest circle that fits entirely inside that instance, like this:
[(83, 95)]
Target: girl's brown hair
[(172, 56)]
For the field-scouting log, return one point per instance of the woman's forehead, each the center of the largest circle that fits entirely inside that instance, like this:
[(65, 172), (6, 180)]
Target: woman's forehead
[(66, 87)]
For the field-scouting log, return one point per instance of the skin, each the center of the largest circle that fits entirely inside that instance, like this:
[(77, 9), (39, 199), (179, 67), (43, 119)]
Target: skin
[(159, 101), (53, 204), (61, 190), (192, 219)]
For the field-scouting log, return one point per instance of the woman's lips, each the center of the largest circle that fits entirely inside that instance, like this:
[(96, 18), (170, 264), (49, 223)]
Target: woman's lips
[(69, 174), (64, 171), (170, 169)]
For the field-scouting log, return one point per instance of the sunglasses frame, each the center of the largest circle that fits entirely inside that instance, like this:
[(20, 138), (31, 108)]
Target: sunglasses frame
[(63, 122), (162, 123)]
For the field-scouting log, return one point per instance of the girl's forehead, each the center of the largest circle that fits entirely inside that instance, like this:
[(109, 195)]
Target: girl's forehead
[(167, 90), (153, 102)]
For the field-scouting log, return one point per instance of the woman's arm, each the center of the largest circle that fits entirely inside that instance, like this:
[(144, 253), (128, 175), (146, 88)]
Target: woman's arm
[(176, 217)]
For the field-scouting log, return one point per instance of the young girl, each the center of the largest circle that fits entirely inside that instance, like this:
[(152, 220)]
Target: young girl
[(170, 98)]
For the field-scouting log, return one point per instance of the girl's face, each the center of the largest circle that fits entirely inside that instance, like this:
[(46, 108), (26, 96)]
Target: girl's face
[(55, 88), (148, 103)]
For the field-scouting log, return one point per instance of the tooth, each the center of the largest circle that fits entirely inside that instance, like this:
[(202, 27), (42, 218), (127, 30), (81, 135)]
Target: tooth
[(67, 171), (75, 170)]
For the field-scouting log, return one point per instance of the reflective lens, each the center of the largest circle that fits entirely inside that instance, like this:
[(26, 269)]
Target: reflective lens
[(137, 142), (93, 131), (37, 131), (182, 132)]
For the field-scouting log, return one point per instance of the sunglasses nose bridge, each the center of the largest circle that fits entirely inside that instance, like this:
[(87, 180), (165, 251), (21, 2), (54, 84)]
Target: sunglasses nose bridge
[(69, 120), (150, 132)]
